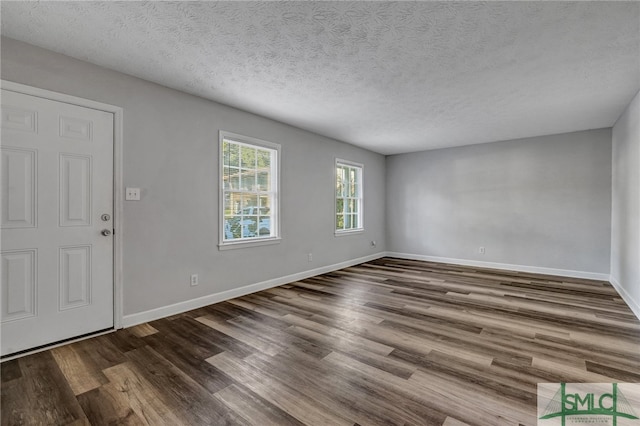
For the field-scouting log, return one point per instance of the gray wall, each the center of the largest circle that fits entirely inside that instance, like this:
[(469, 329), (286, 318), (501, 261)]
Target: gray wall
[(538, 202), (625, 216), (171, 152)]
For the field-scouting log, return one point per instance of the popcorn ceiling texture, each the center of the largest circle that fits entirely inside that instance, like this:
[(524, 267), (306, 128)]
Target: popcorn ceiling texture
[(390, 77)]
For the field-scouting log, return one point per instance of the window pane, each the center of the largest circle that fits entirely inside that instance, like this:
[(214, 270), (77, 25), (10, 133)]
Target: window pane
[(248, 157), (234, 178), (232, 203), (225, 177), (347, 221), (225, 153), (232, 154), (345, 185), (264, 225), (239, 207), (264, 203), (249, 226), (226, 204), (248, 181), (247, 192), (264, 182), (232, 229), (264, 159), (348, 197), (339, 181), (250, 204)]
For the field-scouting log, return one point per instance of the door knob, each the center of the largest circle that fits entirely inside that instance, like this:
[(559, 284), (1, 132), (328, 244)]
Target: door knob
[(105, 217), (106, 232)]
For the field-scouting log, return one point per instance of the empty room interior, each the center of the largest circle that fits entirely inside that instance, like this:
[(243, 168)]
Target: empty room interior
[(320, 213)]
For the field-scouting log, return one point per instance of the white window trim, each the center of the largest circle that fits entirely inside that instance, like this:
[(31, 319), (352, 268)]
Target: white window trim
[(345, 232), (254, 242)]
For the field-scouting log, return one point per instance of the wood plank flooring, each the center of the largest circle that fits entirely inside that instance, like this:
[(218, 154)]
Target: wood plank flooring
[(388, 342)]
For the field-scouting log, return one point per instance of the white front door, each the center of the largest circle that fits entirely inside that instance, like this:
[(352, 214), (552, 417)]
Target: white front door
[(57, 199)]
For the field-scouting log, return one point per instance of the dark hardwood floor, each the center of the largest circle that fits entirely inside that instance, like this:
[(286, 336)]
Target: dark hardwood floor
[(388, 342)]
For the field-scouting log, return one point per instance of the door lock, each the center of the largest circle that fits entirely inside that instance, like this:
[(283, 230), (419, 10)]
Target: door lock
[(105, 217)]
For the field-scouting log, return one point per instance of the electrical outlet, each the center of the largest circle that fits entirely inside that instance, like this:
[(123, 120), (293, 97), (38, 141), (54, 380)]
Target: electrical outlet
[(194, 280), (373, 243), (481, 250), (310, 257)]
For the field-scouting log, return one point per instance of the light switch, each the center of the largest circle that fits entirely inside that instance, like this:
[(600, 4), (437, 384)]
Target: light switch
[(132, 194)]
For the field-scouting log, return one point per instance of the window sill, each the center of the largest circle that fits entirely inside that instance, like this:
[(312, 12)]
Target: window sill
[(247, 244), (350, 232)]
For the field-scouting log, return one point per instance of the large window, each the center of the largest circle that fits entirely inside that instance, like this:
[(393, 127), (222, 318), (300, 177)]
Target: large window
[(348, 196), (249, 190)]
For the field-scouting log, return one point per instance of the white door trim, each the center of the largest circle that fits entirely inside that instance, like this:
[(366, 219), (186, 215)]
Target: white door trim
[(118, 190)]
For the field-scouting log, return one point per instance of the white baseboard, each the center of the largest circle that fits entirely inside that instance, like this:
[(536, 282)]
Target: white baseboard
[(504, 266), (187, 305), (177, 308), (633, 305)]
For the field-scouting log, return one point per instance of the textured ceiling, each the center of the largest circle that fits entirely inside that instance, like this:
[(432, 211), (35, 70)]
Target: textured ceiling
[(391, 77)]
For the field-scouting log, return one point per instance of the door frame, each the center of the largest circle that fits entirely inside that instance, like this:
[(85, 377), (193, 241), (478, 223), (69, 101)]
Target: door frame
[(118, 190)]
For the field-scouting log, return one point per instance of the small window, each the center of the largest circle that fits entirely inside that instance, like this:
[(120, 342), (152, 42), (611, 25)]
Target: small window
[(348, 196), (249, 190)]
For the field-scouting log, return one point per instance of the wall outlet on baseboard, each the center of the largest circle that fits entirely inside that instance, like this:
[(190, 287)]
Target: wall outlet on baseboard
[(310, 257), (194, 280), (481, 250)]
